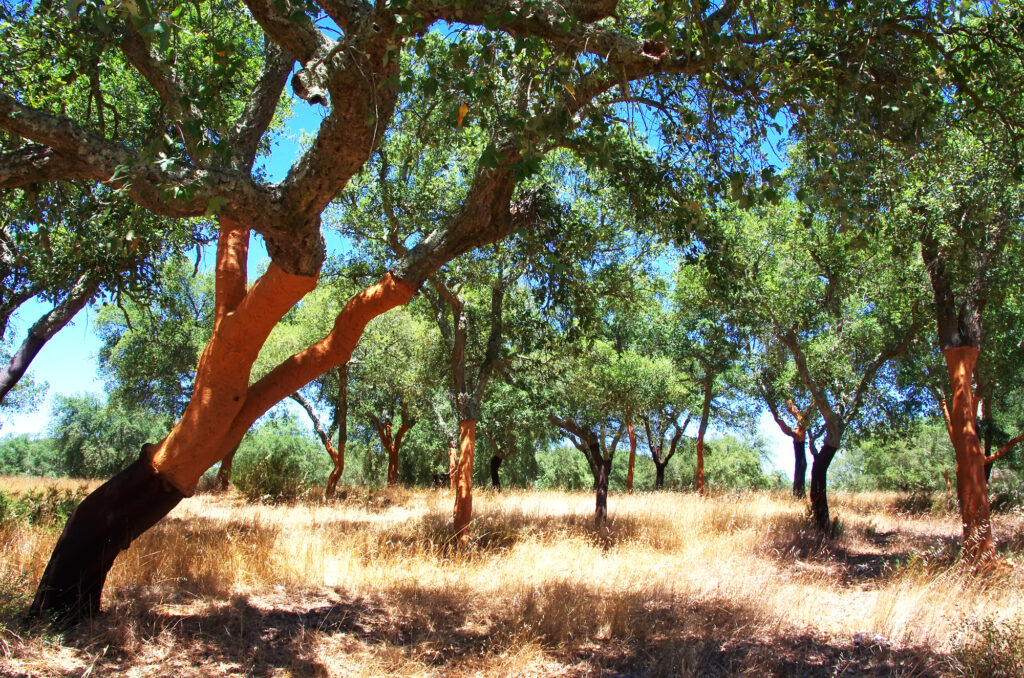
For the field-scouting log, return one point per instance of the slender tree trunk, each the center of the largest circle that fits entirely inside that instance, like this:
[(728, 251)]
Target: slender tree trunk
[(102, 526), (463, 515), (392, 459), (223, 407), (632, 456), (971, 485), (659, 475), (800, 468), (495, 465), (340, 416), (224, 472), (604, 471), (705, 416), (453, 462), (819, 498), (43, 330), (700, 464)]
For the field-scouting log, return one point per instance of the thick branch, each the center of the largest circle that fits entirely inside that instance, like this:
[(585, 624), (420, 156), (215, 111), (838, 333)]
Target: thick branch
[(259, 110), (231, 271), (1004, 450), (44, 328), (35, 163), (334, 349)]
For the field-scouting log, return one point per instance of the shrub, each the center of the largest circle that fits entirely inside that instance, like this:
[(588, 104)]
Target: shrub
[(991, 648), (44, 508), (279, 462)]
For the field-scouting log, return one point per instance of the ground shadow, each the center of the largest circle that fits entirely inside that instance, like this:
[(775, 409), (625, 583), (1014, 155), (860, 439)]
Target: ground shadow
[(651, 636)]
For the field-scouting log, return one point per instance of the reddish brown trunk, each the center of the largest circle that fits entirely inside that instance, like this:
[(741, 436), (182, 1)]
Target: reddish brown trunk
[(464, 482), (339, 468), (971, 488), (632, 456)]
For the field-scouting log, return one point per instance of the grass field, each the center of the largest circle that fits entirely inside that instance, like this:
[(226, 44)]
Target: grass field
[(677, 585)]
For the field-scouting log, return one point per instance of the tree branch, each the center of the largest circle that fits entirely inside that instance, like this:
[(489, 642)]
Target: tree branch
[(259, 110)]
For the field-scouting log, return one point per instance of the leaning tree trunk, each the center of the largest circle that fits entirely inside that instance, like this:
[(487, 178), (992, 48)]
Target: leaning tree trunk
[(495, 465), (340, 416), (819, 498), (604, 471), (971, 487), (800, 468), (102, 526), (224, 472), (463, 514), (224, 405)]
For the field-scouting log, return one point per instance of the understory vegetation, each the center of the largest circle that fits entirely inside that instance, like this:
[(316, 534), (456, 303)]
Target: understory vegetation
[(675, 584)]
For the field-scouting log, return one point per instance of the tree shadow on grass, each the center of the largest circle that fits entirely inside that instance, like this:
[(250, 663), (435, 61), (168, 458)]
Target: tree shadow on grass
[(580, 630)]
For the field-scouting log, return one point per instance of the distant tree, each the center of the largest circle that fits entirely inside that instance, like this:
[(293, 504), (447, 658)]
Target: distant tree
[(28, 455), (94, 439)]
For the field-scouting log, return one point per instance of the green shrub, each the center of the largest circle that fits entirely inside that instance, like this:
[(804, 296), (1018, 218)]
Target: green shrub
[(279, 461), (44, 508), (991, 648)]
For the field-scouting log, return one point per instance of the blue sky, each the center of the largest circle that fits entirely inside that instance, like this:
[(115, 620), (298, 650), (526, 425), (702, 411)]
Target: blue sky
[(68, 361)]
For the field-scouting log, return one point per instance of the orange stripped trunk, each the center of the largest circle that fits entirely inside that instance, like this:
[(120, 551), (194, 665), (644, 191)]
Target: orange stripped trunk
[(971, 487), (222, 408)]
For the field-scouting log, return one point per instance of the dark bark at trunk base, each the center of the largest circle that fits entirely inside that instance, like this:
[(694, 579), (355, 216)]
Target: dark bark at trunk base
[(819, 500), (659, 475), (495, 465), (604, 470), (103, 525), (800, 469)]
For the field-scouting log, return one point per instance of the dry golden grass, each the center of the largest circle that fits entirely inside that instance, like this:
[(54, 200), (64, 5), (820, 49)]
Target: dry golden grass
[(677, 585)]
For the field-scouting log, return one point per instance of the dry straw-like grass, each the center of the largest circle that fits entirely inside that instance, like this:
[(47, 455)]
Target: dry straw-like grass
[(677, 584)]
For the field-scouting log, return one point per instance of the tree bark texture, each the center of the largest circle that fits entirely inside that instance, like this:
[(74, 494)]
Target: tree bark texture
[(819, 498), (340, 416), (632, 457), (102, 526), (463, 514), (971, 487), (604, 471), (799, 467)]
